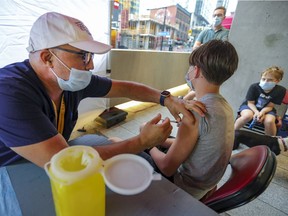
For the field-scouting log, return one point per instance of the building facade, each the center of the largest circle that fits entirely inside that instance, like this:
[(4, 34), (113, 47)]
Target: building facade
[(162, 28)]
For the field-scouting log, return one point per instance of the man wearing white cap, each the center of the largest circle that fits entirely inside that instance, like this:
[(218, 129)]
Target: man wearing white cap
[(39, 97)]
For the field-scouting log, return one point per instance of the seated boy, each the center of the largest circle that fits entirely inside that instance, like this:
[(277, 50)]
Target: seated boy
[(197, 158), (260, 100)]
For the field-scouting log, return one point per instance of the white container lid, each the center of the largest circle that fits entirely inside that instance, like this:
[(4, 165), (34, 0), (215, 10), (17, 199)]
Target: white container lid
[(128, 174)]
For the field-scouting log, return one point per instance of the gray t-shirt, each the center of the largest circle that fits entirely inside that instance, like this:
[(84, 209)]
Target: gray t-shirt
[(208, 161)]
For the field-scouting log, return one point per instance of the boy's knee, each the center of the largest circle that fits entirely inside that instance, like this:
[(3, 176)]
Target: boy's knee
[(269, 122)]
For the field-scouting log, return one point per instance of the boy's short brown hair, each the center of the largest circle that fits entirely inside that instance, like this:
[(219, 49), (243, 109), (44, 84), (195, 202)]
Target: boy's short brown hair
[(275, 71), (217, 59)]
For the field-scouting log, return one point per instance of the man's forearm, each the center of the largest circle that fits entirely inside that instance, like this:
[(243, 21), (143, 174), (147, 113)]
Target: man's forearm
[(134, 91), (130, 146)]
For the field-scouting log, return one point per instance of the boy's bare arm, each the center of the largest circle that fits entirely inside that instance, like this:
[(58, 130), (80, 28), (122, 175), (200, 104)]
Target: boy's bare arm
[(252, 106), (180, 149)]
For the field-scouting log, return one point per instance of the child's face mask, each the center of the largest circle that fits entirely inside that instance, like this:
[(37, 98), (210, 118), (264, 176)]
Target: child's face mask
[(266, 86)]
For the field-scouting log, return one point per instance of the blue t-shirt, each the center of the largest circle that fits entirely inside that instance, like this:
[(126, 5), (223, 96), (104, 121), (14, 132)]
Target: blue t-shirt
[(26, 112)]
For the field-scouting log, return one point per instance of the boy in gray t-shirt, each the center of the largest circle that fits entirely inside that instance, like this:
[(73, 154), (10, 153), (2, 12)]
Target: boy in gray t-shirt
[(197, 158)]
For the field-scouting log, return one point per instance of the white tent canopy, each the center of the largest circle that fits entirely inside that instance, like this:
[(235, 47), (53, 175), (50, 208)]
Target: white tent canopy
[(17, 17)]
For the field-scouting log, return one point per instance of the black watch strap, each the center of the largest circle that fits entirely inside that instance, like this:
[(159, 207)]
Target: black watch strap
[(148, 150), (163, 96)]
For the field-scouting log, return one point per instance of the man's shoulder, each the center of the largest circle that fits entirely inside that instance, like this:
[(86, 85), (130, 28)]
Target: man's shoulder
[(15, 64), (224, 29), (207, 30), (18, 75), (15, 68), (205, 33)]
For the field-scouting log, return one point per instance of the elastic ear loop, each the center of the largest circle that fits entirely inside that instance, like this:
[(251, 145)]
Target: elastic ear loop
[(60, 61)]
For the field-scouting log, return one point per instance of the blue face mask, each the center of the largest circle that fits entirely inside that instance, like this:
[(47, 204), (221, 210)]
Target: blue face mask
[(78, 79), (266, 86), (188, 81), (217, 21)]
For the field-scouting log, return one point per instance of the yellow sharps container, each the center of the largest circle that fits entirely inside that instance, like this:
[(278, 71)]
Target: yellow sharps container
[(77, 185)]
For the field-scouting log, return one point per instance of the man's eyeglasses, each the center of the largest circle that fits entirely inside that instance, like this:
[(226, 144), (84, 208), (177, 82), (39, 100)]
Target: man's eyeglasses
[(218, 15), (86, 56)]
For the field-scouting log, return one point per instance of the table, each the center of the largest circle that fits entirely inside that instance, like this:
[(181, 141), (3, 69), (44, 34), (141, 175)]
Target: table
[(33, 192)]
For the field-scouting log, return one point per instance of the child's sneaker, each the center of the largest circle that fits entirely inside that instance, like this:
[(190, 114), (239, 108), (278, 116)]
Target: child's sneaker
[(284, 141)]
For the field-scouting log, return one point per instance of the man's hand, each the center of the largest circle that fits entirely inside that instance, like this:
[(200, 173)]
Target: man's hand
[(196, 106), (177, 106), (155, 132)]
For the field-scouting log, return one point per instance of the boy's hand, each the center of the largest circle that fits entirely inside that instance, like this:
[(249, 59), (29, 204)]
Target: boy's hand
[(256, 114), (261, 117)]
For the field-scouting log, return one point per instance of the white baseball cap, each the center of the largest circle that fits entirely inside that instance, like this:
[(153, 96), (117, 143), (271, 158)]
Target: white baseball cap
[(54, 29)]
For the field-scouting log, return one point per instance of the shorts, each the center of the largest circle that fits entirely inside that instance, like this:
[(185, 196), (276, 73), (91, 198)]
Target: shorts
[(244, 106)]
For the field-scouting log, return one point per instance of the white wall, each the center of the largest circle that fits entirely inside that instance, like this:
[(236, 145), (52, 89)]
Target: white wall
[(260, 35)]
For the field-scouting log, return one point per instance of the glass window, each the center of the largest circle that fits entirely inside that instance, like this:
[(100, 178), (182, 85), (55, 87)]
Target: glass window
[(156, 25)]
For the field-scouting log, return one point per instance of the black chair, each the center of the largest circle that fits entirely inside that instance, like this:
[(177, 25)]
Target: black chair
[(252, 172), (259, 127)]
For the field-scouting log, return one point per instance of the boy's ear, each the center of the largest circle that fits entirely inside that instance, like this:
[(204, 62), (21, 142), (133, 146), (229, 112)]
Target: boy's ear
[(197, 71)]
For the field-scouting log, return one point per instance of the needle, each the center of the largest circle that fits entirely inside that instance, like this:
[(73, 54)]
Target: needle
[(172, 121)]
